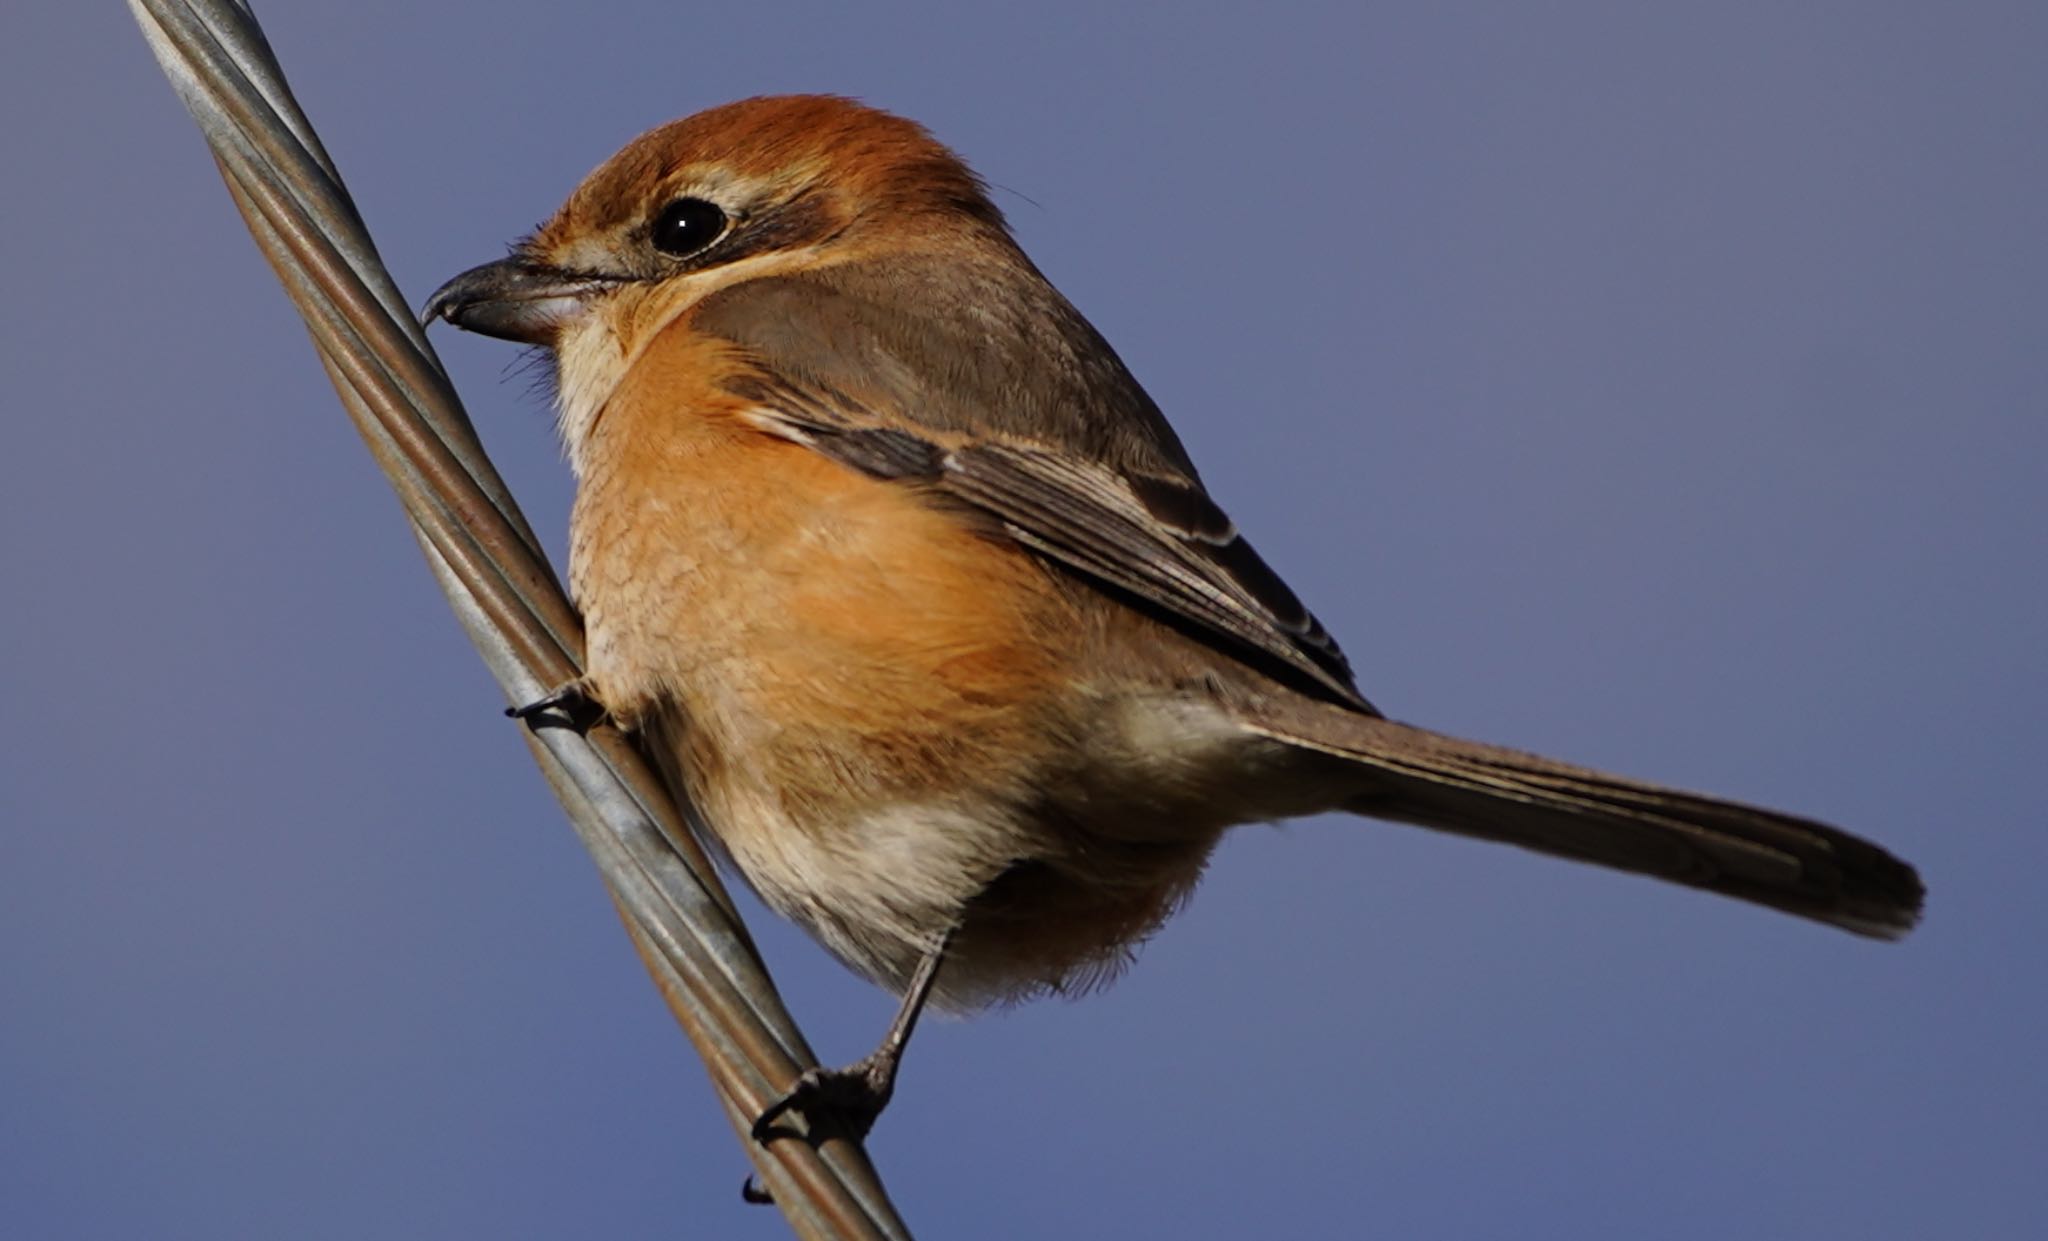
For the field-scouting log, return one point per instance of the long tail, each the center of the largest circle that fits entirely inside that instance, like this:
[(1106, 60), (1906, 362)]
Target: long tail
[(1412, 775)]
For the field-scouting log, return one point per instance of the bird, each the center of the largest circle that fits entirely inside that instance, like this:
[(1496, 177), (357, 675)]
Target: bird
[(889, 562)]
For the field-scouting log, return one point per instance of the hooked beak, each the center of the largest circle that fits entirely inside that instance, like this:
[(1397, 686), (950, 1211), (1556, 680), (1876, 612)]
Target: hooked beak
[(514, 299)]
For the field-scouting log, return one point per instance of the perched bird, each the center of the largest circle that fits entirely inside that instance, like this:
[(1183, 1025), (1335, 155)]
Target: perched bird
[(891, 562)]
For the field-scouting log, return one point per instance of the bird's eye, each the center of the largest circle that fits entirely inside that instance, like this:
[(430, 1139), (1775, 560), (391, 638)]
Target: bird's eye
[(686, 226)]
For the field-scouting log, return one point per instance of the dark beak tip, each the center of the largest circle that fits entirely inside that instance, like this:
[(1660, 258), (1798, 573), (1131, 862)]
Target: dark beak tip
[(436, 308), (454, 296), (512, 299)]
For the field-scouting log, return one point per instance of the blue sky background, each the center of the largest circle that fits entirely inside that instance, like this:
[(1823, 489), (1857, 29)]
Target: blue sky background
[(1663, 390)]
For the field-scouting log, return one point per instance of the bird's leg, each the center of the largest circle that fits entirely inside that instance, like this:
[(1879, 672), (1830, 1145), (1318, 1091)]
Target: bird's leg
[(568, 706), (846, 1101)]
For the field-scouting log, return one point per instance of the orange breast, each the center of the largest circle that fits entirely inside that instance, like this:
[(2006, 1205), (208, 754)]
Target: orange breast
[(846, 634)]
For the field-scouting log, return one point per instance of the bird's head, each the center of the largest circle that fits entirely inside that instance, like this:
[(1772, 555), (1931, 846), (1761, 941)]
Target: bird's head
[(760, 187)]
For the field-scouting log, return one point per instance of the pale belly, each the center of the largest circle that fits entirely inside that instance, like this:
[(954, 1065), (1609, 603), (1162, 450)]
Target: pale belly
[(1046, 873)]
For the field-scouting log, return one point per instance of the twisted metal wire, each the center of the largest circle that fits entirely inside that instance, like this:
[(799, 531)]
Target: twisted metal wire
[(496, 578)]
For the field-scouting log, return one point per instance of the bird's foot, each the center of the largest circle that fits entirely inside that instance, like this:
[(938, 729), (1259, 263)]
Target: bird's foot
[(569, 706), (833, 1102)]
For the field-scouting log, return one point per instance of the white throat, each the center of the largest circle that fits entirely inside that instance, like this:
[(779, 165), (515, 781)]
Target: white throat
[(590, 362)]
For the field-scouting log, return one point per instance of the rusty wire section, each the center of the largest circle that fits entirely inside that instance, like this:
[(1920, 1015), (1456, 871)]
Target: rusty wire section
[(502, 589)]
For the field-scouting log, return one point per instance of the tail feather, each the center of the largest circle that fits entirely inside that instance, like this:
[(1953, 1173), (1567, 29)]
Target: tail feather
[(1412, 775)]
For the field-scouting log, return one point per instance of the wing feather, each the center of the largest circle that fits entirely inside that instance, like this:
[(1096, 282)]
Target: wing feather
[(1086, 517), (976, 378)]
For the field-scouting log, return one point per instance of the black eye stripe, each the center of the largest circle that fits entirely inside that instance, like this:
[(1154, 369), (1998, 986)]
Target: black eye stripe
[(686, 226)]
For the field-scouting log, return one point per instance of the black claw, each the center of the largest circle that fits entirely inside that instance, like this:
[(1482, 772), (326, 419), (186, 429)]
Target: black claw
[(834, 1103), (764, 1130), (569, 707)]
